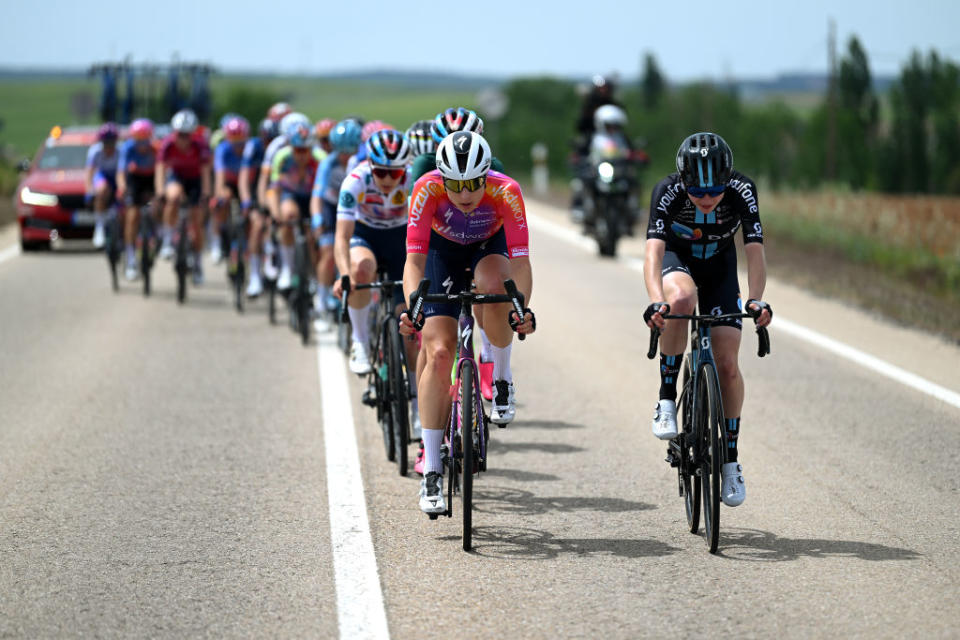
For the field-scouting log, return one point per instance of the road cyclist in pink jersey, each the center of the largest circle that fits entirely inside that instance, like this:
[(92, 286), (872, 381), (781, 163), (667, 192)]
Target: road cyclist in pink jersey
[(466, 224)]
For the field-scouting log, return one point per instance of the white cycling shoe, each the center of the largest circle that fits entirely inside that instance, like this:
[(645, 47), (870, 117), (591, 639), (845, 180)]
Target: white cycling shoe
[(254, 286), (99, 235), (733, 491), (431, 494), (285, 279), (359, 360), (504, 403), (665, 420)]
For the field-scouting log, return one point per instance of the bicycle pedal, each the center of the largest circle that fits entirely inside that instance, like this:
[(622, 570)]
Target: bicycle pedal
[(433, 516), (369, 398)]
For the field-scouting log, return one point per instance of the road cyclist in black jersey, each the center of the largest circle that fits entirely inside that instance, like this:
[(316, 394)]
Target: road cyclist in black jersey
[(691, 260)]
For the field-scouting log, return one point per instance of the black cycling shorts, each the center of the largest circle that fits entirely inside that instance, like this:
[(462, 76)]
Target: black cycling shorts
[(450, 267), (389, 247), (140, 189), (718, 290), (191, 188)]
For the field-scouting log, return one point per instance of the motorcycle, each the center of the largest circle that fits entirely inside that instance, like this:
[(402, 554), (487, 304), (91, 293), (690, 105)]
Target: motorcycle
[(608, 201)]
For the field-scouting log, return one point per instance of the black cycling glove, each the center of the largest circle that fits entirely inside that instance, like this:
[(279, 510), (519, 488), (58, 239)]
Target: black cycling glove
[(662, 307), (761, 305)]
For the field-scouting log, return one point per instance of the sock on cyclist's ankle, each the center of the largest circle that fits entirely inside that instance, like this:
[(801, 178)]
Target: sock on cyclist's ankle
[(486, 349), (360, 322), (669, 370), (733, 432), (432, 439), (501, 362), (255, 264), (286, 256)]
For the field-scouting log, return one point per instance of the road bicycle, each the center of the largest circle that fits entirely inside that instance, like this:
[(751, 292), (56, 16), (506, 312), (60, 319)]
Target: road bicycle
[(113, 243), (464, 450), (388, 388), (699, 450)]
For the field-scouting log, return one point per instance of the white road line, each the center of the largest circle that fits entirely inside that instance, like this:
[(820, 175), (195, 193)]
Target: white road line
[(360, 608), (861, 358), (9, 253)]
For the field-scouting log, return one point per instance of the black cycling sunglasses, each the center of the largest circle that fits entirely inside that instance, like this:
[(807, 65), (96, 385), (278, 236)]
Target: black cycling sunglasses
[(699, 192)]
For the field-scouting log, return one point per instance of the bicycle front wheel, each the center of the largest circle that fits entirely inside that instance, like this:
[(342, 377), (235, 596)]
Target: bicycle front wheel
[(468, 428), (711, 454), (398, 395), (380, 354)]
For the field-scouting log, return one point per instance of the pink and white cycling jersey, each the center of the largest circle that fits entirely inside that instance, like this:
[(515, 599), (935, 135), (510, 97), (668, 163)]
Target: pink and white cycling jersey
[(501, 206), (361, 201)]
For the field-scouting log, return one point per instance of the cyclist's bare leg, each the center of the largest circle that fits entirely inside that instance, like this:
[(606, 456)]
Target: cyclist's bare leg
[(726, 347), (363, 269), (681, 294), (439, 353), (489, 275), (196, 222), (130, 226), (174, 195), (101, 197)]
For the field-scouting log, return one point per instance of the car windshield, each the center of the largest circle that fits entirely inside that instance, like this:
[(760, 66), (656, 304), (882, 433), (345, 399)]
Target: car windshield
[(63, 157)]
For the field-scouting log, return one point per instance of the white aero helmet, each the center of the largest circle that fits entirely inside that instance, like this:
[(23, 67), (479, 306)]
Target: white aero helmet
[(464, 155), (184, 121), (609, 114)]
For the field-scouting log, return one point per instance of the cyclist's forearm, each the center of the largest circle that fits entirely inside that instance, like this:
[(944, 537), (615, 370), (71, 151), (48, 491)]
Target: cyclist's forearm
[(652, 268), (341, 245), (756, 270), (522, 273), (262, 186), (413, 271), (88, 179), (158, 178), (243, 184), (205, 180)]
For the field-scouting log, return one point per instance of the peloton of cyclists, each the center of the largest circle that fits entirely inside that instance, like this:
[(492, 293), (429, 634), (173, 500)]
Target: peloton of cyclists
[(463, 216), (691, 261)]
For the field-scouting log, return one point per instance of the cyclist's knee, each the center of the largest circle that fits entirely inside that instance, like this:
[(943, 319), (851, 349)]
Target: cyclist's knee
[(363, 271), (682, 301), (728, 368), (439, 357)]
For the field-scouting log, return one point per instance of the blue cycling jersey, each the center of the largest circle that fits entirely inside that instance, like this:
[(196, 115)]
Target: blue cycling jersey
[(137, 157), (253, 154), (228, 160)]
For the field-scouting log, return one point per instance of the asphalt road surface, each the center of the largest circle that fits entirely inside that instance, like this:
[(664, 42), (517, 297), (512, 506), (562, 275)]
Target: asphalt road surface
[(164, 473)]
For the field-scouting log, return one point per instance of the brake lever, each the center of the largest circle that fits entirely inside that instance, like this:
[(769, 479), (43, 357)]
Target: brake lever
[(517, 301)]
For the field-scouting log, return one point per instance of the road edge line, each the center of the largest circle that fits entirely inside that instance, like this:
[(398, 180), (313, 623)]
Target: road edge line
[(9, 253), (361, 612)]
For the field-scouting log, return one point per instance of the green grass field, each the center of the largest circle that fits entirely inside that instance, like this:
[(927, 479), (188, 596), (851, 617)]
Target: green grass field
[(29, 108)]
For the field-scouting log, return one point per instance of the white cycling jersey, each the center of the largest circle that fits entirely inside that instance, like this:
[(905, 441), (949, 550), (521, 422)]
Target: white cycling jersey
[(361, 200)]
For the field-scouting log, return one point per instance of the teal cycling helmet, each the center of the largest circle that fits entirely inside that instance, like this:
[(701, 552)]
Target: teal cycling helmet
[(345, 136)]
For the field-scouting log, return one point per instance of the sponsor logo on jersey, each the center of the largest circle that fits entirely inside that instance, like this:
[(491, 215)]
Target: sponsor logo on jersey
[(686, 232), (517, 252), (347, 201), (416, 207), (669, 196), (399, 197), (745, 189)]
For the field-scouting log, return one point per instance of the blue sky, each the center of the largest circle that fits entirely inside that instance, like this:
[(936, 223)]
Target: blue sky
[(691, 39)]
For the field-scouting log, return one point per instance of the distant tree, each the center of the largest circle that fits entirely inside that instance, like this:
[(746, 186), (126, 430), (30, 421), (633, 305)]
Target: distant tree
[(858, 113), (251, 103), (540, 110), (653, 84)]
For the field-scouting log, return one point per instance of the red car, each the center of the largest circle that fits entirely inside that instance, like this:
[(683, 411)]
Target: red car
[(50, 196)]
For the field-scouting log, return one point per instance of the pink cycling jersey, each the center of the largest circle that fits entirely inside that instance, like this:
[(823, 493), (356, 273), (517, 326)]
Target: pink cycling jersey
[(501, 206)]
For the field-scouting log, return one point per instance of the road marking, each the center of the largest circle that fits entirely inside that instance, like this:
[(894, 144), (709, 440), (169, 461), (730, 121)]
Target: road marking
[(9, 253), (360, 608), (572, 236)]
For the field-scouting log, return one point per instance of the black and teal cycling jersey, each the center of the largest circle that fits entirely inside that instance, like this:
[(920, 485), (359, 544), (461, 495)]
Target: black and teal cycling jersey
[(691, 232), (427, 162)]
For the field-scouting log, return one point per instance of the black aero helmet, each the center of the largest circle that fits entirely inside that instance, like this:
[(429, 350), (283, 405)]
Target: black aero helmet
[(704, 160)]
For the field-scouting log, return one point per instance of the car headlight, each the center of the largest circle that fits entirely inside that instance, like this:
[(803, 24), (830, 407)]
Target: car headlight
[(37, 199), (605, 170)]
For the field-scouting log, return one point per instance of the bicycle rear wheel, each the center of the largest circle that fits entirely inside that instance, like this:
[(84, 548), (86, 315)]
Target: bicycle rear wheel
[(711, 454), (468, 427), (399, 408), (689, 484), (181, 266), (112, 249)]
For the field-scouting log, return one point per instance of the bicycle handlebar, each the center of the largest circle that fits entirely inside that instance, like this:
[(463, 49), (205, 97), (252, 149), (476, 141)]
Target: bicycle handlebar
[(763, 336), (419, 297)]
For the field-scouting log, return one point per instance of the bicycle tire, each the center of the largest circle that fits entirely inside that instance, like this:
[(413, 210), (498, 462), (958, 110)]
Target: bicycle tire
[(239, 278), (711, 455), (468, 419), (271, 287), (145, 257), (113, 254), (690, 484), (399, 408), (180, 263), (378, 349)]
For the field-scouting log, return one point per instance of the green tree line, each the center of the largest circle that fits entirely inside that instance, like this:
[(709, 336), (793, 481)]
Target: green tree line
[(905, 141)]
